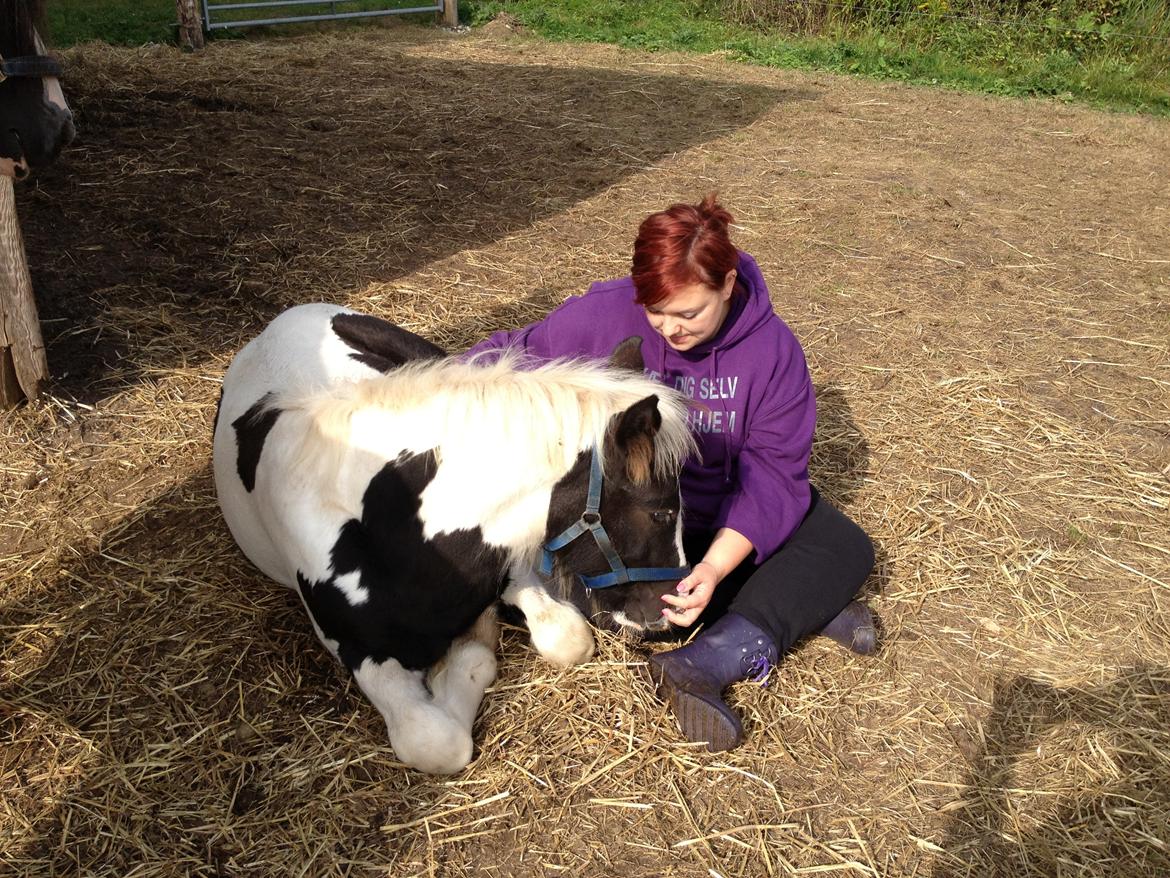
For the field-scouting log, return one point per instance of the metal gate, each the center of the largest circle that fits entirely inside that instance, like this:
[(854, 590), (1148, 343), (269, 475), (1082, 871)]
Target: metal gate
[(282, 12)]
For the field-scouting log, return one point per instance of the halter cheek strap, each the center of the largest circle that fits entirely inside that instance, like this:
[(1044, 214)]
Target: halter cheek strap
[(590, 522)]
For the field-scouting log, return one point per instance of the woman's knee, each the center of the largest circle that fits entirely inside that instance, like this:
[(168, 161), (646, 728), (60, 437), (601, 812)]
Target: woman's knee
[(859, 548), (845, 537), (863, 548)]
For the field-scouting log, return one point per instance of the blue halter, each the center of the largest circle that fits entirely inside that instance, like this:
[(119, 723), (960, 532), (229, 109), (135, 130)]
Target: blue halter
[(590, 522)]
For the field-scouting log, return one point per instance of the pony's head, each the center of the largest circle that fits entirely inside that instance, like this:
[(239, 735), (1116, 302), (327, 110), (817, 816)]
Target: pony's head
[(615, 521)]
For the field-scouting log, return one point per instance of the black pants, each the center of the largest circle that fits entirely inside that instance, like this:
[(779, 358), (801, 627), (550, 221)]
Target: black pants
[(799, 589)]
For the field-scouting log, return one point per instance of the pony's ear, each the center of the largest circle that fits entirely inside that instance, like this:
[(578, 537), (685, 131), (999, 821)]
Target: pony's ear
[(634, 438), (628, 354)]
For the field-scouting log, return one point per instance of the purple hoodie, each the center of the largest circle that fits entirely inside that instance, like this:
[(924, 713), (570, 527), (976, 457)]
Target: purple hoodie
[(753, 409)]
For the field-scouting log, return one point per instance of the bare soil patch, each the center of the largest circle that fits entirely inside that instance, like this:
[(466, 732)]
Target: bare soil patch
[(982, 289)]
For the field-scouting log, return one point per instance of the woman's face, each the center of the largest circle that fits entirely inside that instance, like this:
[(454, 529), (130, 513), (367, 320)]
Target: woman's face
[(692, 314)]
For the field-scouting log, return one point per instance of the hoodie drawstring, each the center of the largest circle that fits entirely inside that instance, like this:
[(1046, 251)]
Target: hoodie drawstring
[(714, 373)]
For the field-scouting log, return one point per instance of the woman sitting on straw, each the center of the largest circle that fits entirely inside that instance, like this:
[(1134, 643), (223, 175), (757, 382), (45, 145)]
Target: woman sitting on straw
[(773, 562)]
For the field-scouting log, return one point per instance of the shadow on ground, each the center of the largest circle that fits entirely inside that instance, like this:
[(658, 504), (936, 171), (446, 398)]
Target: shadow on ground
[(839, 467), (208, 192), (1116, 732), (146, 735)]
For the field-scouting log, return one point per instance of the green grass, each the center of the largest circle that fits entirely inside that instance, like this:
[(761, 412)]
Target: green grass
[(1077, 57), (1032, 58), (120, 22)]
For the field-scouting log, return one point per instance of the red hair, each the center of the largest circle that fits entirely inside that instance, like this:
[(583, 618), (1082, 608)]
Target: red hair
[(682, 245)]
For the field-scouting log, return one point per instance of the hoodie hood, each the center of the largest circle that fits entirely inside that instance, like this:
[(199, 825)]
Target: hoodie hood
[(752, 406), (751, 310)]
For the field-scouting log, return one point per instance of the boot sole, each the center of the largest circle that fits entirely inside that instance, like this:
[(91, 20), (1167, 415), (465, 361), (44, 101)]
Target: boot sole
[(699, 720)]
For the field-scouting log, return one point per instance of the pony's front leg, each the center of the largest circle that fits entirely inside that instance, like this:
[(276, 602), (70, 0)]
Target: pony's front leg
[(423, 733), (469, 667), (559, 632)]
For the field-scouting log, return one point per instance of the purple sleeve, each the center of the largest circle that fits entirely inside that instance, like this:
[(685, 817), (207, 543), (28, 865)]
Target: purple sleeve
[(531, 341), (570, 330), (772, 493)]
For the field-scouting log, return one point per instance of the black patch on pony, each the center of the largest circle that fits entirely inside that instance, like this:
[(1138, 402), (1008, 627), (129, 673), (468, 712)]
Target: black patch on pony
[(565, 506), (422, 593), (380, 344), (251, 430)]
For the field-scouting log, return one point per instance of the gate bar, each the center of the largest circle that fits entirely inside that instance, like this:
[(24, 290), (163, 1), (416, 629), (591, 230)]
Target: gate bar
[(258, 4), (223, 25)]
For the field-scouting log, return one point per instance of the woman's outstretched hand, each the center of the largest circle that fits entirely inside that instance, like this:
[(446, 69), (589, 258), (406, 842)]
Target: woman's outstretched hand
[(692, 595), (726, 552)]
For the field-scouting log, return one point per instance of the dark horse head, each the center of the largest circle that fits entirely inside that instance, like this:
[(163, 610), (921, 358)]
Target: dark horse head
[(35, 122), (619, 534)]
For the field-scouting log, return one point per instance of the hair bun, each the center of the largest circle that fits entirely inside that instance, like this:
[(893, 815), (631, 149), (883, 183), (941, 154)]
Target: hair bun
[(711, 211)]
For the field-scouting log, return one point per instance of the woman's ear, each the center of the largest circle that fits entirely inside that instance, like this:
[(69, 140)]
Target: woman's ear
[(728, 285)]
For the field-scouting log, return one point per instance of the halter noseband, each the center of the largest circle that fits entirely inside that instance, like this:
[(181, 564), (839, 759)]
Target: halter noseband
[(30, 66), (590, 522)]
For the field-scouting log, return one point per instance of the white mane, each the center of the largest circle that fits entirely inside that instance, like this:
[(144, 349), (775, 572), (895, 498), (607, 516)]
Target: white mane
[(498, 430)]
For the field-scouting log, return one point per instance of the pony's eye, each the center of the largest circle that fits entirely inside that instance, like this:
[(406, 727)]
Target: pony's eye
[(663, 516)]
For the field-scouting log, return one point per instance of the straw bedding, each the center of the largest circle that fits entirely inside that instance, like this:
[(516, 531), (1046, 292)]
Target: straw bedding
[(981, 288)]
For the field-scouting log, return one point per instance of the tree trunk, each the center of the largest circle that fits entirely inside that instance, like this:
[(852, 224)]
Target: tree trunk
[(23, 366), (450, 13), (190, 24)]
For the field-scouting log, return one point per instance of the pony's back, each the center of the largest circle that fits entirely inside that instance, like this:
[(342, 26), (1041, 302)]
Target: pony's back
[(495, 420), (298, 353)]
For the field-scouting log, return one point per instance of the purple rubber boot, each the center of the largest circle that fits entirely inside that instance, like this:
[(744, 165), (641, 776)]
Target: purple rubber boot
[(693, 677), (854, 629)]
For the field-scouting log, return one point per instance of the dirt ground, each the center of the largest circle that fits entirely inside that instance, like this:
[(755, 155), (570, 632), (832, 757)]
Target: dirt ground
[(981, 286)]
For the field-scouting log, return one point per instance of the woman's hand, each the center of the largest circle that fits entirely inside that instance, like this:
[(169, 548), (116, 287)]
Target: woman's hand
[(726, 552), (694, 593)]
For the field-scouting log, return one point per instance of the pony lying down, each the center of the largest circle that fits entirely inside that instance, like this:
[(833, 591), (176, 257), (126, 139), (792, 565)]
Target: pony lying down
[(402, 492)]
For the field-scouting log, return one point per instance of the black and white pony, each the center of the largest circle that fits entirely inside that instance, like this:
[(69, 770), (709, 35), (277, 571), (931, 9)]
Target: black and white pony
[(35, 122), (402, 492)]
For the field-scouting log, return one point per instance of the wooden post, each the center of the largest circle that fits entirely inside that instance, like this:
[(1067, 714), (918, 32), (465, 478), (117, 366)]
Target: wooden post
[(23, 366), (190, 25), (450, 13)]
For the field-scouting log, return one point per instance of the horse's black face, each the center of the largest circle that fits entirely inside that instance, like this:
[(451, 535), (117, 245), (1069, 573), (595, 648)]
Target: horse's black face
[(644, 526), (35, 122), (641, 515), (33, 130)]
